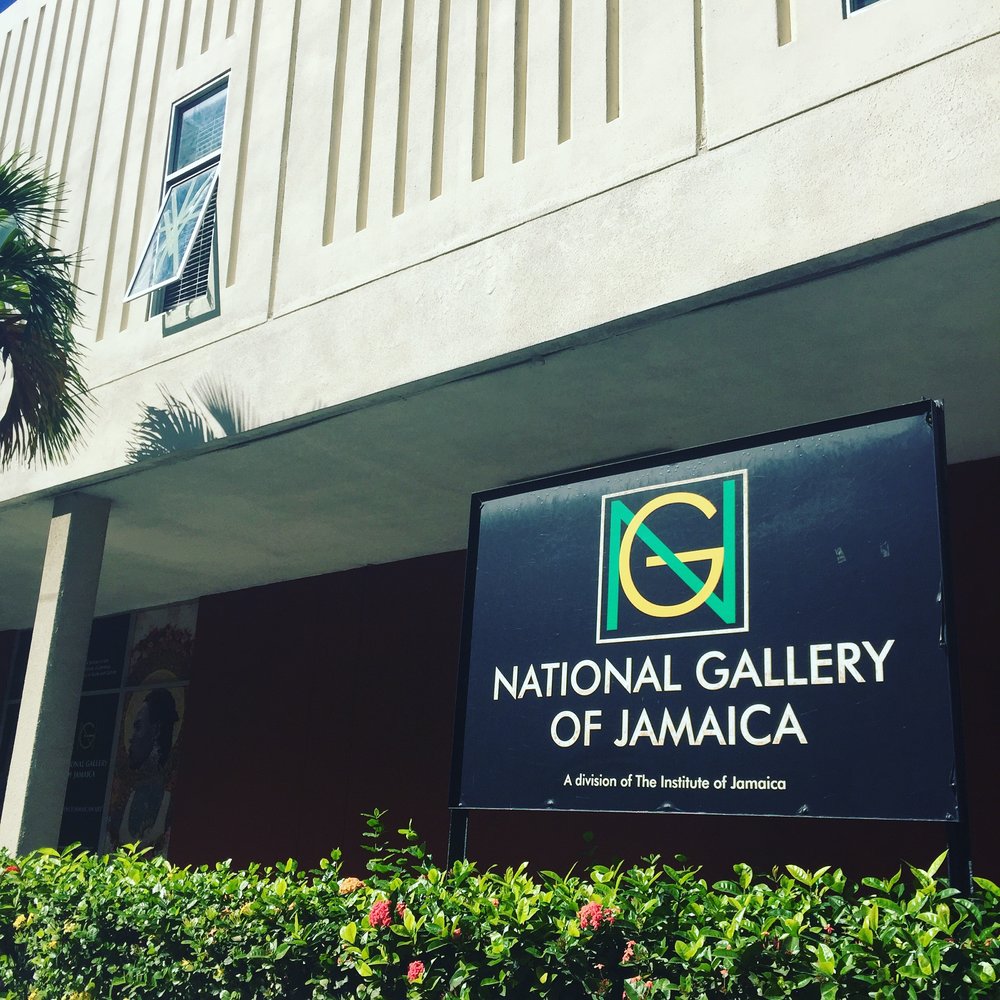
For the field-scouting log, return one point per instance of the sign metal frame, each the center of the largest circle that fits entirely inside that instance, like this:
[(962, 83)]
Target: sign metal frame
[(931, 411)]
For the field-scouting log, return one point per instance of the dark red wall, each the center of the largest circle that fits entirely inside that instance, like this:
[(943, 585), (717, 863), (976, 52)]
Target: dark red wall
[(316, 700), (974, 500), (319, 699)]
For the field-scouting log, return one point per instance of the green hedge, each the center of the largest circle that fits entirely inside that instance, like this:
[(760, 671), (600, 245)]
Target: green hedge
[(77, 925)]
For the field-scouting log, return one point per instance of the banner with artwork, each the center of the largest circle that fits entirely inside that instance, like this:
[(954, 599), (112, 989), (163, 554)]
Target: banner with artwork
[(151, 727)]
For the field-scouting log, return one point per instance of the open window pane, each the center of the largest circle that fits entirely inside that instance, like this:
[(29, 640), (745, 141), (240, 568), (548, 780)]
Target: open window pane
[(176, 227), (199, 130)]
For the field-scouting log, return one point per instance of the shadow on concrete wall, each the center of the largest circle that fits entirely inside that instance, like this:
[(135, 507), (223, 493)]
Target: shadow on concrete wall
[(211, 410)]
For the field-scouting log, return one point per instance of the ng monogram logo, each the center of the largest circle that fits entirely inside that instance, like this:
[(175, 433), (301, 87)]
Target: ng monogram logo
[(674, 560)]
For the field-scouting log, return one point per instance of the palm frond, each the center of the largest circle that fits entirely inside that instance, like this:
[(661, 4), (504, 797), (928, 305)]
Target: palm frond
[(48, 296), (48, 405), (29, 195)]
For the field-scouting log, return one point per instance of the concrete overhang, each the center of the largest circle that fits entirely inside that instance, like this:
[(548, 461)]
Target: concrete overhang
[(390, 476)]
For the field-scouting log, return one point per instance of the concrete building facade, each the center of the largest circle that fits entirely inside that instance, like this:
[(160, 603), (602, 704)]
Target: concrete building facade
[(420, 248)]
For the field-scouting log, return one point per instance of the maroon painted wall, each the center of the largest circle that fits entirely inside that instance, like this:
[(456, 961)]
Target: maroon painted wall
[(974, 500), (316, 700), (319, 699)]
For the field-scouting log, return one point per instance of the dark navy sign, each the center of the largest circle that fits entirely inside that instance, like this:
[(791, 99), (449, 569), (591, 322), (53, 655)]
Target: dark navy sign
[(755, 628)]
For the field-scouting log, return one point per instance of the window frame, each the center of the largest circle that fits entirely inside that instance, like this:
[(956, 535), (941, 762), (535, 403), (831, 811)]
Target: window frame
[(173, 179), (850, 8)]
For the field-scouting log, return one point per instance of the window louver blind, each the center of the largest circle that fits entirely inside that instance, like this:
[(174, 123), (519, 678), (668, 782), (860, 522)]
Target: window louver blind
[(193, 281)]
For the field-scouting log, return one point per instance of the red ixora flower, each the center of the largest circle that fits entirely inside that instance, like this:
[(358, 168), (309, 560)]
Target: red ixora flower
[(12, 868), (629, 951), (400, 908), (380, 915), (593, 915), (415, 971)]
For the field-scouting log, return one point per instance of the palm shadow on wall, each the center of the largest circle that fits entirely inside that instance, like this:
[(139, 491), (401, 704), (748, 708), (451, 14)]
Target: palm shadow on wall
[(210, 411)]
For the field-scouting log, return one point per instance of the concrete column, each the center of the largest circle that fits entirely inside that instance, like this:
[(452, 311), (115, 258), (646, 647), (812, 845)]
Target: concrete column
[(39, 767)]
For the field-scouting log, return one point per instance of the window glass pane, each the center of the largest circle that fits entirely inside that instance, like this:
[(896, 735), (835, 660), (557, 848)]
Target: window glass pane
[(199, 130), (858, 4), (174, 232)]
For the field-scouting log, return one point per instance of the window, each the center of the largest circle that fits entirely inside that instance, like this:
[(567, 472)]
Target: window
[(853, 5), (176, 262)]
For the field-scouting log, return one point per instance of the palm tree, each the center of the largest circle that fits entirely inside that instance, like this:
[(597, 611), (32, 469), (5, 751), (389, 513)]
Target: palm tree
[(43, 396)]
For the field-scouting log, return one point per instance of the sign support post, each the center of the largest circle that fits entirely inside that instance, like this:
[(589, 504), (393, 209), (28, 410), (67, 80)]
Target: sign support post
[(458, 836), (959, 838)]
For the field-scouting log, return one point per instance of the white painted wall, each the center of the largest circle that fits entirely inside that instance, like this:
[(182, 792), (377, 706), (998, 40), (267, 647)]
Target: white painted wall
[(354, 263)]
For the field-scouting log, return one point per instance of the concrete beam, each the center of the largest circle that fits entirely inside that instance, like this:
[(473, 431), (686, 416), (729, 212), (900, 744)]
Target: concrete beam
[(39, 768)]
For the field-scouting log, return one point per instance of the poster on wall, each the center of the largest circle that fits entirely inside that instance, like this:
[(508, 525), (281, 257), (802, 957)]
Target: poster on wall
[(150, 731), (88, 770), (755, 628), (93, 740), (106, 653)]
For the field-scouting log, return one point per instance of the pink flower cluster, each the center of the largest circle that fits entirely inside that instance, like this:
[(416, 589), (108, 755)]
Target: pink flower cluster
[(636, 982), (629, 952), (400, 909), (380, 915), (415, 971), (593, 915)]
